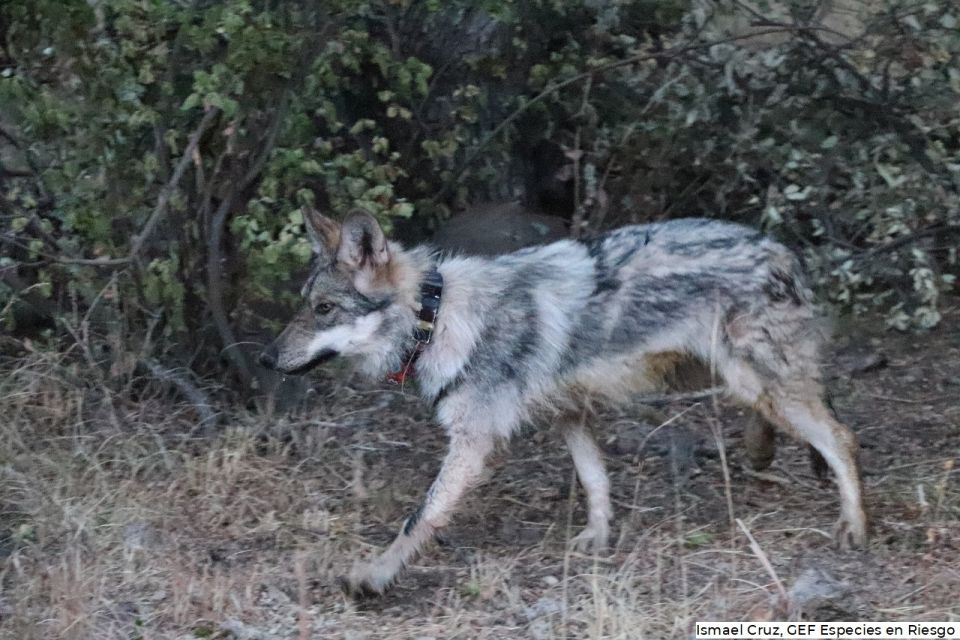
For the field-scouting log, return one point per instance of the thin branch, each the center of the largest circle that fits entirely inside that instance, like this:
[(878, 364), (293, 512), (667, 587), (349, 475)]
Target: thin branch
[(764, 561), (193, 393), (14, 172), (163, 200), (31, 162), (22, 290), (701, 394), (902, 241), (93, 262), (166, 192), (215, 239), (215, 289)]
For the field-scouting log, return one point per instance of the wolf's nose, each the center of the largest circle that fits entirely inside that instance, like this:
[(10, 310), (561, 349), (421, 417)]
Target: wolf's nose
[(268, 357)]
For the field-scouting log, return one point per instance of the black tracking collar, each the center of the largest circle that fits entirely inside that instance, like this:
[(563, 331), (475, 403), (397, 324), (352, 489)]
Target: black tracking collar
[(430, 291)]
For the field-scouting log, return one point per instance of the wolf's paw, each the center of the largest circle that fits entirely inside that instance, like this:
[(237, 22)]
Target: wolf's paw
[(850, 533), (364, 581), (593, 538)]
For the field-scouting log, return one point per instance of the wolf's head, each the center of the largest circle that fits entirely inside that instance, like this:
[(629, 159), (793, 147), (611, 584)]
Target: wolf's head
[(358, 301)]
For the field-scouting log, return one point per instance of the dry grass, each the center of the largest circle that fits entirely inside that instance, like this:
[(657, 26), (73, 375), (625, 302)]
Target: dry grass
[(118, 524)]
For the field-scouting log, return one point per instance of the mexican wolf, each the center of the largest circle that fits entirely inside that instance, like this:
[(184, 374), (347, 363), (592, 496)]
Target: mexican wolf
[(543, 333)]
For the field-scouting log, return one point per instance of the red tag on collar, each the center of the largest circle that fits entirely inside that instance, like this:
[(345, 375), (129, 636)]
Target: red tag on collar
[(400, 377), (408, 370), (430, 290)]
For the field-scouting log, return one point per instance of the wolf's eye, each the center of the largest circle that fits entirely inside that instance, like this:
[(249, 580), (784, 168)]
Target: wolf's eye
[(323, 308)]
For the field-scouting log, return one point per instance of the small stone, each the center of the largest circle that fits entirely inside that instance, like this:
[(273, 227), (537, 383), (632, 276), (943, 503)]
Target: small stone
[(241, 631), (818, 595), (543, 607), (541, 629), (872, 362)]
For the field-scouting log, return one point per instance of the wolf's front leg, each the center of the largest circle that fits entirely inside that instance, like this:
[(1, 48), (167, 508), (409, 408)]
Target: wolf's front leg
[(593, 476), (462, 468)]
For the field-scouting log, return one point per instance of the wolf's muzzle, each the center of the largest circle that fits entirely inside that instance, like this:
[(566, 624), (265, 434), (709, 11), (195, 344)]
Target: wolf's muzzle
[(324, 356), (268, 357)]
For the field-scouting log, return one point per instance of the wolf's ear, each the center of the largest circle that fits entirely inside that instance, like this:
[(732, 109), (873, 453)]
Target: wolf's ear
[(362, 243), (324, 233)]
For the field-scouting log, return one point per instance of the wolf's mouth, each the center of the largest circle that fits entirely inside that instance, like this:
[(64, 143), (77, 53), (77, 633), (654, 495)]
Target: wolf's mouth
[(320, 358)]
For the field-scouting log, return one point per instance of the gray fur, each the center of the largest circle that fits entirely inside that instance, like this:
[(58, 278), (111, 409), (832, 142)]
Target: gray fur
[(544, 332)]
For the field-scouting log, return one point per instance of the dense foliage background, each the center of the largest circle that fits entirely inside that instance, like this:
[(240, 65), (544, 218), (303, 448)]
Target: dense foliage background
[(154, 153)]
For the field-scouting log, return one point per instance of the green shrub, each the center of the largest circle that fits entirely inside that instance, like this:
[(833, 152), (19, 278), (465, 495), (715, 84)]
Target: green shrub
[(843, 144)]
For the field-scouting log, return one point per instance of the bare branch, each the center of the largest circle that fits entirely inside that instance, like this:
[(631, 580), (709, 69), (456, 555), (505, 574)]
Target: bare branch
[(163, 200), (903, 241), (215, 238), (193, 393)]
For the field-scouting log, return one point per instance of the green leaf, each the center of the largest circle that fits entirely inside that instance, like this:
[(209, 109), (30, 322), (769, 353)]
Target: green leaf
[(190, 102), (402, 210)]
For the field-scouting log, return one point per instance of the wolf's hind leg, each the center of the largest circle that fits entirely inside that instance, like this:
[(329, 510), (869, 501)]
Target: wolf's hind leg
[(462, 469), (837, 445), (798, 409), (759, 441), (593, 476)]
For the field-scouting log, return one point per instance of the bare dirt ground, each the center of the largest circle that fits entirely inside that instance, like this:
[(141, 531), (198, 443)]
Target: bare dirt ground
[(117, 524)]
